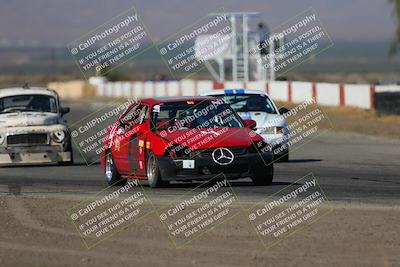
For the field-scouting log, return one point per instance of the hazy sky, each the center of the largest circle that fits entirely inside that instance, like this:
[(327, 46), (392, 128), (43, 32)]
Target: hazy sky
[(59, 22)]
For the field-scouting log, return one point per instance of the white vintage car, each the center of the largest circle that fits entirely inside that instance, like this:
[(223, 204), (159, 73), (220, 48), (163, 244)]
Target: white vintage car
[(32, 128)]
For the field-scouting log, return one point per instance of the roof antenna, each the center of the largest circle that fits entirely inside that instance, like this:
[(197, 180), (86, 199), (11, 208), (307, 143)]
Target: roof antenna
[(25, 86)]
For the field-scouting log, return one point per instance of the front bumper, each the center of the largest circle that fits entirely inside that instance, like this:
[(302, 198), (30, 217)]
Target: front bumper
[(205, 168), (24, 155), (278, 143)]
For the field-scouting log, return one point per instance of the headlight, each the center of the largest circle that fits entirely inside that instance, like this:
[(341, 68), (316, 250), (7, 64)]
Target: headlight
[(272, 130), (268, 130), (2, 139), (58, 136)]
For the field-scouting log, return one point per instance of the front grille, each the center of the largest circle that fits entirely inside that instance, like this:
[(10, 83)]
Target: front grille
[(28, 139), (237, 151)]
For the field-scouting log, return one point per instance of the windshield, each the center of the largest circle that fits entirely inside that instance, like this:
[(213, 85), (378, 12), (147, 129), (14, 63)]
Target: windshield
[(190, 114), (22, 103), (250, 102)]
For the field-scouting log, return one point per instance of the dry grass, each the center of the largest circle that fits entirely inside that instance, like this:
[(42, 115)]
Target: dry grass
[(355, 120)]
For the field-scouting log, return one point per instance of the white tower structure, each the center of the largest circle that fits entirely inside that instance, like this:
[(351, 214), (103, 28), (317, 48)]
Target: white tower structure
[(245, 66)]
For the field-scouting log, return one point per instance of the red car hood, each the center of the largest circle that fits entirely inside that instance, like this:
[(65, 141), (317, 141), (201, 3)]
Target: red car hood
[(211, 138)]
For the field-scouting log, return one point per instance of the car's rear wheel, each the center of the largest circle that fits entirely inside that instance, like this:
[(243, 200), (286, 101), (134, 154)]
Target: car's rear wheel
[(153, 172), (264, 178), (112, 175)]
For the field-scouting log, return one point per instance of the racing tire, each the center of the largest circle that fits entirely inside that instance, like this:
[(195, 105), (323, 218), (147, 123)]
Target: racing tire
[(265, 178), (112, 175), (153, 173)]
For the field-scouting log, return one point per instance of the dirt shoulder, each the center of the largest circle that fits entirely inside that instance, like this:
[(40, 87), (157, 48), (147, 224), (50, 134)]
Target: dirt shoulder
[(37, 232), (355, 120)]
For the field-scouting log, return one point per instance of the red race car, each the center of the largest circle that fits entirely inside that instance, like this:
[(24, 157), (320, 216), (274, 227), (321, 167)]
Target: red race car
[(184, 139)]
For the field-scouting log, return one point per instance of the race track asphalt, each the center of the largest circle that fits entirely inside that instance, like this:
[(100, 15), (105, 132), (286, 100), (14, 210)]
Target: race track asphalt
[(347, 166)]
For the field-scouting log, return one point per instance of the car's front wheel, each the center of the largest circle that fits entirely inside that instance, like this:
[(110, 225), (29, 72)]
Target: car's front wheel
[(264, 178), (153, 172), (112, 175)]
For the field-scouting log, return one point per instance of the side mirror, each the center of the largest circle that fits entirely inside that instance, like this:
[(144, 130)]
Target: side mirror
[(120, 131), (64, 110), (283, 111), (252, 124)]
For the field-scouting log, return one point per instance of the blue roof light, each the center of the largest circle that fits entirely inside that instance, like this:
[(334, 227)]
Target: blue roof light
[(234, 92), (228, 92)]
